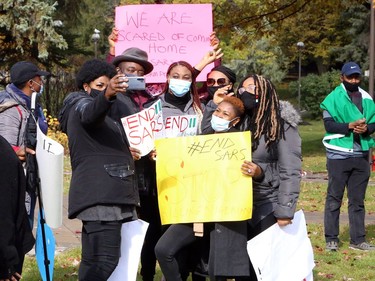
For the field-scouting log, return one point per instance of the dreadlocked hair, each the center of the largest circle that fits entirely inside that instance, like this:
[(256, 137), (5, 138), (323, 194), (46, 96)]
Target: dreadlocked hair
[(266, 119)]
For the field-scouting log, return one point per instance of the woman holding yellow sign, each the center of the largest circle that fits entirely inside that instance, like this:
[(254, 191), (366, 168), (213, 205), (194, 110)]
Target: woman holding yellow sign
[(275, 166)]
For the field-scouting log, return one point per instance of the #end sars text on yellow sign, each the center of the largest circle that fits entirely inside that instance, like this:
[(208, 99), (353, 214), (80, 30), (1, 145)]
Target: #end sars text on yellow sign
[(199, 178)]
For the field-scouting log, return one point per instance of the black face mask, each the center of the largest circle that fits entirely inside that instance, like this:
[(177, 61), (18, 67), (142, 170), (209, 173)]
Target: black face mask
[(249, 100), (94, 93), (212, 90), (351, 87)]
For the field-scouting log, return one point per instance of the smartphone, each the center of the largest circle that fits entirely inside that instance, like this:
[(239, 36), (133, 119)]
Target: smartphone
[(136, 83)]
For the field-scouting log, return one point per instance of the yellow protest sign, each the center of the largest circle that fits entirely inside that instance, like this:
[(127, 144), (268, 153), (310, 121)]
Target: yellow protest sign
[(199, 178)]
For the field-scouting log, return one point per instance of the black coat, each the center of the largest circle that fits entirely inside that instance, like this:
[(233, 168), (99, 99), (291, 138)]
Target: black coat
[(16, 238), (102, 165)]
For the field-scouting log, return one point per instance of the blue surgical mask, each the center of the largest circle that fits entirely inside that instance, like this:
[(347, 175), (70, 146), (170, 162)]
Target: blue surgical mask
[(179, 87), (220, 124), (41, 88)]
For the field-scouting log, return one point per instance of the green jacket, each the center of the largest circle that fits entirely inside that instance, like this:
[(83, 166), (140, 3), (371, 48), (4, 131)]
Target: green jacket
[(343, 110)]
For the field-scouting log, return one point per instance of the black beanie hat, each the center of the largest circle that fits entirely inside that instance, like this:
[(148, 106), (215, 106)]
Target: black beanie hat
[(227, 72)]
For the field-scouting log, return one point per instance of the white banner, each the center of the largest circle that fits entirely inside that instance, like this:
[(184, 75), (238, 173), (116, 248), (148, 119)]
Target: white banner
[(141, 127), (132, 237), (283, 253), (180, 126), (144, 127), (50, 158)]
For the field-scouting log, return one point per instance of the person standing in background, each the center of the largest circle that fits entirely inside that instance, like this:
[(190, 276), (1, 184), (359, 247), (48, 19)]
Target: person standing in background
[(349, 120), (15, 109)]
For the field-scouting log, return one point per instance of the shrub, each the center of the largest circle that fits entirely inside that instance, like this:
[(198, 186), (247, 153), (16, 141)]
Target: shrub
[(314, 88), (55, 133)]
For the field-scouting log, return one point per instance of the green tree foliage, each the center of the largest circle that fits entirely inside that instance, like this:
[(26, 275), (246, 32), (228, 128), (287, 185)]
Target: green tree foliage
[(262, 57), (95, 14), (333, 32), (314, 88), (28, 29), (249, 29), (356, 21)]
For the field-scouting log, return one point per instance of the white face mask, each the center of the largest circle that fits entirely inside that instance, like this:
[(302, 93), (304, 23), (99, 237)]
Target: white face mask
[(179, 87), (220, 124)]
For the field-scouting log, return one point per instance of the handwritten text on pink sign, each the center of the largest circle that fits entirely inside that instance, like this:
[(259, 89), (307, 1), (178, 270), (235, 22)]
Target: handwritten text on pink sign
[(168, 33)]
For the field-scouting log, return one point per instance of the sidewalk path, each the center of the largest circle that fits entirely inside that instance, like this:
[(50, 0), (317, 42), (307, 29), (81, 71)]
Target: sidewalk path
[(69, 234)]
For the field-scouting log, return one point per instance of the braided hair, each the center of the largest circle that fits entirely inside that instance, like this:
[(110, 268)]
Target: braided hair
[(265, 119)]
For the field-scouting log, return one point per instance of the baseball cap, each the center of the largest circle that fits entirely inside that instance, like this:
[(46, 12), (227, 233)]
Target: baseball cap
[(23, 71), (134, 55), (350, 68)]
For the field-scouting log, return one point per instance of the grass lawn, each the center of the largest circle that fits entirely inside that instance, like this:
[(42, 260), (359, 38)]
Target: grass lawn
[(346, 264)]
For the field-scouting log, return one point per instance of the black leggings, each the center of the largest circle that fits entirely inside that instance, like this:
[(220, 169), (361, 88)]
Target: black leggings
[(175, 238)]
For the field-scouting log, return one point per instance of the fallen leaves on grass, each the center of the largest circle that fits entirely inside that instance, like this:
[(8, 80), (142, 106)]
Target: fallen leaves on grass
[(326, 275)]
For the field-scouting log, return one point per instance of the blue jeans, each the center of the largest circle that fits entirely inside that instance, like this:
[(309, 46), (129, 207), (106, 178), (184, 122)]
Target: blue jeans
[(353, 173), (101, 250)]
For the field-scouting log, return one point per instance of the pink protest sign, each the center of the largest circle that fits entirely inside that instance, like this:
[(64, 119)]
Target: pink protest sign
[(167, 32)]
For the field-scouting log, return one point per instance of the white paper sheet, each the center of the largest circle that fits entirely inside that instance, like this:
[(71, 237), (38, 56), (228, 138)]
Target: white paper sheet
[(132, 237), (280, 254)]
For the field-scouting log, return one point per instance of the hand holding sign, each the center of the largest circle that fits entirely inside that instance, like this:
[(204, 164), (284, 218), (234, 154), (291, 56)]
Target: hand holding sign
[(136, 153)]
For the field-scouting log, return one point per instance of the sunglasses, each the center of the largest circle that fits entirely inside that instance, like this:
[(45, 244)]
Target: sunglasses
[(250, 89), (221, 82)]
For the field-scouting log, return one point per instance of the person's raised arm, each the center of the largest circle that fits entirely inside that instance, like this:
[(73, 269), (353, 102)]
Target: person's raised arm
[(211, 56)]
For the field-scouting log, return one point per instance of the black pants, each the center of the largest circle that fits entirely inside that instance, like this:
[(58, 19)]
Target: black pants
[(174, 252), (149, 212), (353, 173), (101, 250), (175, 238)]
